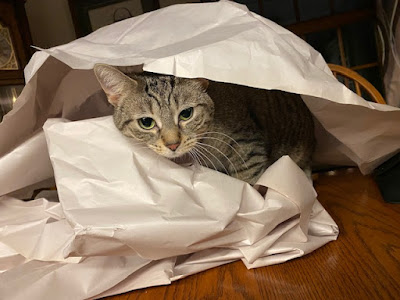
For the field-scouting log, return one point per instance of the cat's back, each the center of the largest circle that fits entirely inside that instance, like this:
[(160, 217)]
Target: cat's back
[(267, 108), (284, 121)]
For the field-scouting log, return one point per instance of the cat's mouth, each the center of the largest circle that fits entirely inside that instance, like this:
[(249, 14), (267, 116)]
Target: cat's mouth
[(185, 160)]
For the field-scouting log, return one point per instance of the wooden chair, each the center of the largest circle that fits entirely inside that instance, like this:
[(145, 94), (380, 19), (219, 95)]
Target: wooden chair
[(360, 83), (352, 80)]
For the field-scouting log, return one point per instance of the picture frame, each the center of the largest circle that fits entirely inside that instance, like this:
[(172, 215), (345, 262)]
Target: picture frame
[(15, 42), (89, 15)]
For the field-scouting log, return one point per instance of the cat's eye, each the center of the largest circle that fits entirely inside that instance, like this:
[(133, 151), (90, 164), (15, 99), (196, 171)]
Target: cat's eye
[(186, 114), (146, 123)]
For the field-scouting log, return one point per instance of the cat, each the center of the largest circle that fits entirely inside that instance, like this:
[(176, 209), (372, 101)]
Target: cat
[(237, 130)]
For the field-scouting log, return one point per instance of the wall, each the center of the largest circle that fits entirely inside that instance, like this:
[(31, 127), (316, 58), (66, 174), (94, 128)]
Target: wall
[(50, 22)]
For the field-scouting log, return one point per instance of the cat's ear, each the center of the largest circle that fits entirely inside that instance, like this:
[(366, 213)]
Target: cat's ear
[(113, 82), (197, 83), (203, 83)]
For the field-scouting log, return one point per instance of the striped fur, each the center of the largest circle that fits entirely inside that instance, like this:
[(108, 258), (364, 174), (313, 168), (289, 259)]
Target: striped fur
[(234, 129)]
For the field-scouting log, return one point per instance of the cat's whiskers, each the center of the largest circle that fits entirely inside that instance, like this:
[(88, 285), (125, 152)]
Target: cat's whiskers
[(202, 136), (196, 157), (226, 157), (202, 162), (221, 133), (202, 155), (222, 141), (138, 141), (193, 158), (216, 158), (153, 148), (139, 144), (140, 147)]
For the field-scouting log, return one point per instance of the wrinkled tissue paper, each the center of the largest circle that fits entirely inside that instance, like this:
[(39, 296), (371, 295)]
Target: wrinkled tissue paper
[(124, 218)]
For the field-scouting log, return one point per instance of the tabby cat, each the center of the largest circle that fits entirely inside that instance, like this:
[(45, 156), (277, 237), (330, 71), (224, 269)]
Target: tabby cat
[(234, 129)]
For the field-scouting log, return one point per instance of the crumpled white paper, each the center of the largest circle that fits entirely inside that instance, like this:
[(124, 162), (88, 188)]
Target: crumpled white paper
[(137, 210), (128, 218), (145, 211)]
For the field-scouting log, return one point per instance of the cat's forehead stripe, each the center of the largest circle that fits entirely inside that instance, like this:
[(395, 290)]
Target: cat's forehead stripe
[(161, 86), (172, 84), (153, 96)]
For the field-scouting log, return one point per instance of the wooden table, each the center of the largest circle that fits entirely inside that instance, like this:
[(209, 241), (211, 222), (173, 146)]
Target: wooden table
[(364, 263)]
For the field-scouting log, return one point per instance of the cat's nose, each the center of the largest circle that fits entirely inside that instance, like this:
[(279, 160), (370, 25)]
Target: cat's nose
[(173, 146)]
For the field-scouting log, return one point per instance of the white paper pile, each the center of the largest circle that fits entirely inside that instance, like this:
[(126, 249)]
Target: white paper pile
[(128, 218)]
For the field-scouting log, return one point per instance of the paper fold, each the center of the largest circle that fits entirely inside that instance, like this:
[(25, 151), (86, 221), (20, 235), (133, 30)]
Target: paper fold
[(128, 218)]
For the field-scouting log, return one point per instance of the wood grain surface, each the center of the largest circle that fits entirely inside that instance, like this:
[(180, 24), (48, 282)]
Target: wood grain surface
[(364, 263)]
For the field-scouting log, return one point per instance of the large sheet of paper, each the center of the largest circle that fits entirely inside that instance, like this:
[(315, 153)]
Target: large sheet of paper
[(121, 206)]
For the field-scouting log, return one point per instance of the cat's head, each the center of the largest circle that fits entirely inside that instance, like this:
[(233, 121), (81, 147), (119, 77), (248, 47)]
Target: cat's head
[(167, 113)]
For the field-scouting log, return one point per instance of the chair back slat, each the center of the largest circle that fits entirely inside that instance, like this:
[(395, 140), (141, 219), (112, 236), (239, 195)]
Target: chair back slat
[(360, 82), (358, 90)]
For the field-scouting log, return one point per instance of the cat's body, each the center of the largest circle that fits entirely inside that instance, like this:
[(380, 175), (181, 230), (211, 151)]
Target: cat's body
[(262, 127), (234, 129)]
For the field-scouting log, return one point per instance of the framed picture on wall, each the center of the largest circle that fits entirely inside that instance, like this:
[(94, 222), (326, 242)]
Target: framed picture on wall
[(90, 15), (15, 41), (108, 14)]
